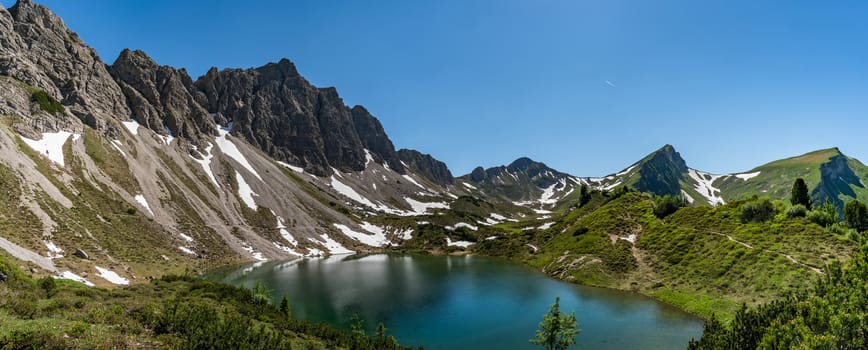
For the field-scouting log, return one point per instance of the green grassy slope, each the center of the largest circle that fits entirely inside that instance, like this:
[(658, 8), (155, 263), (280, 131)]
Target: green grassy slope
[(776, 178), (702, 259)]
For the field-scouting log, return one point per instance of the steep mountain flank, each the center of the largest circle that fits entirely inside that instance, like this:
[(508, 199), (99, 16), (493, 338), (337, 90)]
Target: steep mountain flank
[(275, 109)]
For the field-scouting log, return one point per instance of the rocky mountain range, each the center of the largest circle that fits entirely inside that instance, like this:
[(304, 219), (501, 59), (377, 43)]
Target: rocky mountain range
[(137, 169)]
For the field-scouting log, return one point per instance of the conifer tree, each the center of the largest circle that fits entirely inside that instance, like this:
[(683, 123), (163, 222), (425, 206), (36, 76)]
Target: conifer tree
[(856, 215), (799, 194), (557, 331)]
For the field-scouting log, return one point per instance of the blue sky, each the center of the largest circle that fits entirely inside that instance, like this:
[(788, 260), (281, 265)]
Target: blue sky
[(731, 84)]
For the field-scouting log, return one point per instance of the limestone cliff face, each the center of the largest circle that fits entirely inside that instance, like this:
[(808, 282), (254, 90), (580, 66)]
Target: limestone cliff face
[(37, 48), (161, 97), (281, 113)]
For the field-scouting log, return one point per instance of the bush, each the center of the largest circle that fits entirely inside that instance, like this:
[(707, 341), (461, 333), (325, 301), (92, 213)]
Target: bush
[(759, 210), (668, 204), (825, 216), (797, 211)]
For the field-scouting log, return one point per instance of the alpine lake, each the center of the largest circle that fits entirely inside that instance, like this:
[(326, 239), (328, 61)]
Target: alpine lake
[(462, 302)]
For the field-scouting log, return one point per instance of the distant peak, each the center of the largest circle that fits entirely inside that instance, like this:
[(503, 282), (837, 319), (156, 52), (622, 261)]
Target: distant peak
[(667, 148)]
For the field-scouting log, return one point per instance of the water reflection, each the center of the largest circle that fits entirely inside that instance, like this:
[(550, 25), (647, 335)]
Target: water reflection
[(462, 302)]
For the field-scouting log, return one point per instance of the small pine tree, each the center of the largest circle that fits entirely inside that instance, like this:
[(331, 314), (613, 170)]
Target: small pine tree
[(261, 293), (799, 194), (284, 307), (557, 331), (357, 326)]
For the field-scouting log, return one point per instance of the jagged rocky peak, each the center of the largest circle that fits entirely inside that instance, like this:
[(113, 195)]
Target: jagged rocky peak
[(277, 110), (427, 166), (661, 171), (42, 52), (161, 97)]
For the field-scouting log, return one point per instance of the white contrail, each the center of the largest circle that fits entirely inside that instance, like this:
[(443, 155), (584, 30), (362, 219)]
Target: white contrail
[(610, 83)]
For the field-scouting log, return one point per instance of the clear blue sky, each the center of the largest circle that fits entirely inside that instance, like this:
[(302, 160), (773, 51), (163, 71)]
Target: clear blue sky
[(731, 84)]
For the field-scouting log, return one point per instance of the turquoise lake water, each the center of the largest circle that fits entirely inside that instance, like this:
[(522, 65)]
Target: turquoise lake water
[(444, 302)]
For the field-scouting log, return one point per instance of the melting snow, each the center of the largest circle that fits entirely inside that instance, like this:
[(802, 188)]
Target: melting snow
[(547, 195), (421, 208), (687, 197), (112, 276), (376, 239), (490, 238), (368, 157), (67, 275), (51, 145), (546, 226), (462, 244), (186, 238), (747, 176), (117, 144), (286, 249), (206, 163), (144, 202), (352, 194), (631, 238), (291, 167), (469, 186), (408, 178), (464, 224), (54, 251), (253, 253), (245, 192), (497, 216), (405, 235), (333, 246), (132, 126), (540, 211), (228, 148), (704, 186), (187, 250), (284, 233)]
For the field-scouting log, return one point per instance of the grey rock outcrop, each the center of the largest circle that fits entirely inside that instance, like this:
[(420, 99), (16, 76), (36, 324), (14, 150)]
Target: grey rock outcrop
[(161, 97), (427, 166), (38, 49)]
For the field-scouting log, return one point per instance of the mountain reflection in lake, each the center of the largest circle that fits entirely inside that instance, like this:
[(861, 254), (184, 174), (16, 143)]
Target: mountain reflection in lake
[(446, 302)]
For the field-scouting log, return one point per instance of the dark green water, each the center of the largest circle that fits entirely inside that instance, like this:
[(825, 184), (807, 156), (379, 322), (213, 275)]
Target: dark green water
[(463, 302)]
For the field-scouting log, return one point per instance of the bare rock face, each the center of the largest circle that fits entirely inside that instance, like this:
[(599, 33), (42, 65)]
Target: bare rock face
[(38, 49), (427, 166), (277, 110), (161, 97), (375, 139)]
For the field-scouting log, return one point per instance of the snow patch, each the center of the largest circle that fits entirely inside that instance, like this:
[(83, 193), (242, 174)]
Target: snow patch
[(187, 250), (408, 178), (631, 238), (228, 148), (112, 276), (747, 176), (546, 226), (132, 126), (118, 144), (498, 217), (687, 197), (291, 167), (144, 202), (253, 253), (67, 275), (53, 250), (284, 233), (704, 186), (469, 186), (368, 157), (205, 162), (421, 208), (547, 195), (350, 193), (51, 145), (333, 246), (186, 238), (469, 226), (377, 238), (245, 192), (462, 244), (405, 235)]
